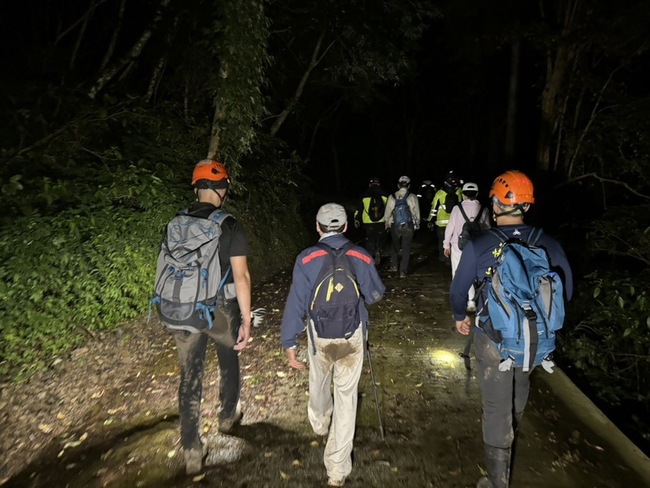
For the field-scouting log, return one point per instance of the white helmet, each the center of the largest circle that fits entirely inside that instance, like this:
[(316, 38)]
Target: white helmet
[(469, 186)]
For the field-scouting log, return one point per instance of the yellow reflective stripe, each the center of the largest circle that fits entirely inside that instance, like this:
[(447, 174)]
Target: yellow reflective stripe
[(330, 289)]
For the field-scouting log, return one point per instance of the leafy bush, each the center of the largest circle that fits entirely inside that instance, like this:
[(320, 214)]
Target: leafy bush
[(610, 344), (81, 262), (84, 269), (606, 343)]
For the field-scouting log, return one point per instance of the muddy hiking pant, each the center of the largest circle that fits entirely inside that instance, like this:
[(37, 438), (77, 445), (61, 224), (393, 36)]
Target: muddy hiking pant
[(440, 238), (504, 393), (333, 412), (191, 353), (401, 242), (375, 235)]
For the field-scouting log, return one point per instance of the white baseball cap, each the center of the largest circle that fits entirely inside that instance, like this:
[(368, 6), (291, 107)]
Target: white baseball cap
[(332, 216)]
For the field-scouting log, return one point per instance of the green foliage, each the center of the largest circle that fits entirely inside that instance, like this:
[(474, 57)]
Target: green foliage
[(623, 232), (270, 206), (240, 47), (91, 267), (85, 269), (610, 345), (606, 339)]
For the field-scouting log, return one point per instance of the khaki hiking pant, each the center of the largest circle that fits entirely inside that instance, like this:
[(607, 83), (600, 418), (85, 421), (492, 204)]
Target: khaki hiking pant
[(337, 362)]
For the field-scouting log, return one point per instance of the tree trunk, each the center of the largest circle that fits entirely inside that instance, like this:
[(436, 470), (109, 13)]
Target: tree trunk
[(132, 55), (513, 89), (116, 32), (316, 58), (155, 80), (82, 31), (336, 167), (217, 119), (558, 64)]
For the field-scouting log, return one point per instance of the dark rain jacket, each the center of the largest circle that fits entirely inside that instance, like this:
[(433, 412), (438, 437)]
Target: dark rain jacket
[(479, 256), (305, 273)]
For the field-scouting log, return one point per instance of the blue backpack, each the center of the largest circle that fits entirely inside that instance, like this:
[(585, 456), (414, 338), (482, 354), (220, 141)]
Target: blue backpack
[(402, 212), (524, 305), (334, 303)]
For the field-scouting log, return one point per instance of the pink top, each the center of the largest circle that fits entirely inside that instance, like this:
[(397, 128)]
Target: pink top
[(456, 222)]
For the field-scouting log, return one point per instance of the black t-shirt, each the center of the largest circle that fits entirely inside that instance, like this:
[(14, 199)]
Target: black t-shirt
[(233, 239)]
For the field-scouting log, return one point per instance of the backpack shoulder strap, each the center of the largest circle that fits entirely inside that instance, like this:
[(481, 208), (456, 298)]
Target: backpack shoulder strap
[(325, 247), (335, 251), (462, 210), (503, 237), (534, 236), (218, 216)]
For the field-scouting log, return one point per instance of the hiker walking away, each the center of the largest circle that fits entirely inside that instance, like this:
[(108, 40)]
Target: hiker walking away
[(465, 222), (402, 217), (229, 325), (425, 195), (370, 215), (504, 383), (443, 202), (332, 283)]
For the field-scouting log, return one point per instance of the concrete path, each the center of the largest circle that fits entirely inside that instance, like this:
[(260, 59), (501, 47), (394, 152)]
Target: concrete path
[(565, 441)]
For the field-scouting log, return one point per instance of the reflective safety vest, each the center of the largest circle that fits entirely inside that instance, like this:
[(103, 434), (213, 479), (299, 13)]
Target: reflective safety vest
[(438, 210), (365, 217)]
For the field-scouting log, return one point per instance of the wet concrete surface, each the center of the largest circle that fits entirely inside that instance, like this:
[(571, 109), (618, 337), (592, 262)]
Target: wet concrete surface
[(428, 405)]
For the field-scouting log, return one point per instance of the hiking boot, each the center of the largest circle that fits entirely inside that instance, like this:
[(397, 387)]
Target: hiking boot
[(483, 483), (497, 462), (393, 269), (336, 482), (227, 424), (193, 460), (402, 274)]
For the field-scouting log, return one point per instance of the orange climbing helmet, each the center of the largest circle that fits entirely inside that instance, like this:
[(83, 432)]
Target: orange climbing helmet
[(512, 188), (210, 174)]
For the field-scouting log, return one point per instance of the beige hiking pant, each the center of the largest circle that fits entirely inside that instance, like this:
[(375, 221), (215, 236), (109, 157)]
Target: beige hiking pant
[(337, 362)]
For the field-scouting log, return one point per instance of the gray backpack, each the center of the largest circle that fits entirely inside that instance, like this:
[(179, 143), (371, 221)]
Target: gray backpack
[(188, 275)]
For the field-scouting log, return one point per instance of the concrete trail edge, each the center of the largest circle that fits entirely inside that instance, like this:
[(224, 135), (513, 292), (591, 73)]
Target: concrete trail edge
[(585, 410)]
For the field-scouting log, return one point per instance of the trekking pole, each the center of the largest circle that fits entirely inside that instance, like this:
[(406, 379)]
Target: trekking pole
[(374, 388)]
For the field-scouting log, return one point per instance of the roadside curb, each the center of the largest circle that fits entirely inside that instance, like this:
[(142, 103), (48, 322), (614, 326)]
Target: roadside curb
[(587, 412)]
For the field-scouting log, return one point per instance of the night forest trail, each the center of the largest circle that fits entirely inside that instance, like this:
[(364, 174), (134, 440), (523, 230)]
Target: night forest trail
[(429, 402)]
